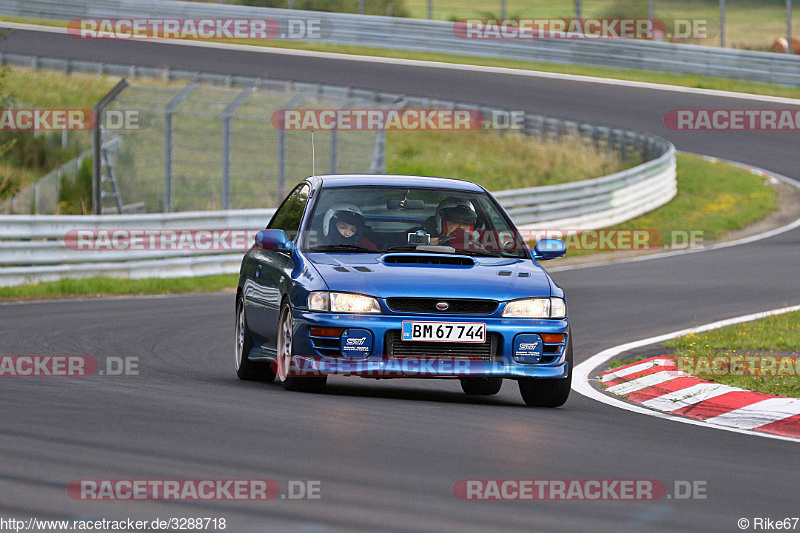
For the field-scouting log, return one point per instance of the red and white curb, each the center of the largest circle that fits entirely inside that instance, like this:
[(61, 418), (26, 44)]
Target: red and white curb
[(656, 383), (738, 414)]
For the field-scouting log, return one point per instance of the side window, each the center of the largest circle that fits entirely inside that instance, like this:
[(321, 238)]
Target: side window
[(290, 213)]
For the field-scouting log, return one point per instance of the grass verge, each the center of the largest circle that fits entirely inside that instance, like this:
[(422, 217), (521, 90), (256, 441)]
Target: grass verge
[(683, 80), (99, 286), (770, 373), (498, 163), (713, 198)]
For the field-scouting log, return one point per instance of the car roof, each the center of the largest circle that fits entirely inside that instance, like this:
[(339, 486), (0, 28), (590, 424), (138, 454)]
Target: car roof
[(389, 180)]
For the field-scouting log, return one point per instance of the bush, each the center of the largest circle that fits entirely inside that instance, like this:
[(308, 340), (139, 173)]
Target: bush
[(76, 194)]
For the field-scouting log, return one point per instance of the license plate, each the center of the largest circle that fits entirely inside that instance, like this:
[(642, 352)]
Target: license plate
[(444, 331)]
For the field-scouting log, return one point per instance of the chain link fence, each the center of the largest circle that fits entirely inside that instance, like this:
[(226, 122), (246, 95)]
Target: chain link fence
[(205, 148)]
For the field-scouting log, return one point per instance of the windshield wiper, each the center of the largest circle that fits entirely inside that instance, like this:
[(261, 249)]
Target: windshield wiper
[(339, 248), (486, 253)]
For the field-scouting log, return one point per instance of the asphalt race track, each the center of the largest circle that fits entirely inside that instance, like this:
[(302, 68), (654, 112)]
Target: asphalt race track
[(387, 453)]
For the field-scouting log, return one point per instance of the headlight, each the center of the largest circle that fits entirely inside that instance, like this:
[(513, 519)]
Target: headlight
[(342, 302), (536, 308)]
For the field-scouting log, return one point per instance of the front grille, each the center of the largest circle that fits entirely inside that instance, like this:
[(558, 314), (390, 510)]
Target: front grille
[(460, 306), (396, 348)]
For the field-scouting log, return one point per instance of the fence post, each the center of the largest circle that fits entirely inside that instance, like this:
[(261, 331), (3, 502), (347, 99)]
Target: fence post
[(169, 110), (226, 144), (334, 150), (378, 164), (281, 163), (789, 27), (722, 23), (97, 143)]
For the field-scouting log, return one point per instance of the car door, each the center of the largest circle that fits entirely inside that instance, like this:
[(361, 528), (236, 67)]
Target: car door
[(263, 303)]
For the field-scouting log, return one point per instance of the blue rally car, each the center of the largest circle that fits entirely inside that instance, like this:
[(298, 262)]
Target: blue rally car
[(401, 276)]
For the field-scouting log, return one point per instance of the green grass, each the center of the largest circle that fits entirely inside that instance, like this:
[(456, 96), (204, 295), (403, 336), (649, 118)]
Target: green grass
[(713, 197), (695, 81), (498, 163), (779, 332), (99, 286), (752, 339)]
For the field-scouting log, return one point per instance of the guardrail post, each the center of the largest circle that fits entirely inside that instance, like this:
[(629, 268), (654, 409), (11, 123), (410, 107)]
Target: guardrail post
[(169, 110), (226, 144), (334, 150), (722, 24), (97, 144)]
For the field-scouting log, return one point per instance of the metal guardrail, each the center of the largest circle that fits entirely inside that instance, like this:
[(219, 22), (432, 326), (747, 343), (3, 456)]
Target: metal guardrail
[(438, 36)]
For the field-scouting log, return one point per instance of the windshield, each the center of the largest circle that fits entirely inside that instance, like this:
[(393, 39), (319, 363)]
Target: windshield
[(402, 219)]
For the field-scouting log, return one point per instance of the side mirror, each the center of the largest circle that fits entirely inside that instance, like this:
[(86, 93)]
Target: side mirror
[(273, 239), (549, 249)]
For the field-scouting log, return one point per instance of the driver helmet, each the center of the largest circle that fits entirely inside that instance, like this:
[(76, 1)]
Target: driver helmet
[(456, 210), (343, 212)]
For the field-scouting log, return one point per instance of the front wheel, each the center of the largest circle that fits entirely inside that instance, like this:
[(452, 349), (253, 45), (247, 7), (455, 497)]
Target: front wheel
[(245, 368), (285, 353), (538, 392), (481, 386)]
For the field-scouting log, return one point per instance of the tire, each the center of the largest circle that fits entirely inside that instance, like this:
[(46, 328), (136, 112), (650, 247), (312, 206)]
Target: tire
[(538, 392), (245, 368), (481, 386), (285, 345)]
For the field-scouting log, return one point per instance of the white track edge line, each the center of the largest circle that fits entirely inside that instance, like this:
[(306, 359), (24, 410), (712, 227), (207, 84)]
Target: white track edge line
[(581, 373), (441, 65)]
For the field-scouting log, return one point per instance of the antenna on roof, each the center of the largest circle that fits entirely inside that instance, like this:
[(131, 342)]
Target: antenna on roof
[(313, 156)]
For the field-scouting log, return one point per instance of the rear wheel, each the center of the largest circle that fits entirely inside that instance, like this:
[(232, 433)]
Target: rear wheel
[(245, 368), (537, 392), (481, 386), (285, 353)]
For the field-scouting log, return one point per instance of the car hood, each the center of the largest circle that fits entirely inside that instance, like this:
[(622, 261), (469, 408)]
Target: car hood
[(388, 275)]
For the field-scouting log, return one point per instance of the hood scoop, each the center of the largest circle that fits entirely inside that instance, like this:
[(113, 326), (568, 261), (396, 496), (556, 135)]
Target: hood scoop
[(428, 259)]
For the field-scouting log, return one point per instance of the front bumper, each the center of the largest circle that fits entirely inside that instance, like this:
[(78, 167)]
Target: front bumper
[(312, 359)]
